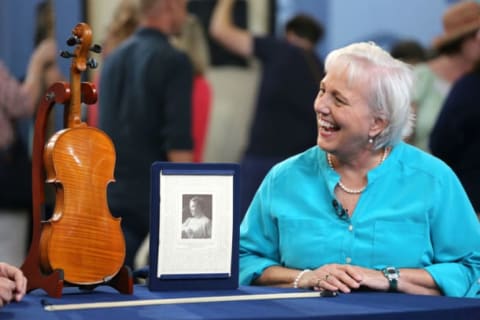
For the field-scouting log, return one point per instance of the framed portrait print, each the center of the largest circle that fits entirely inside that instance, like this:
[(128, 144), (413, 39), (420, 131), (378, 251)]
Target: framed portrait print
[(194, 226)]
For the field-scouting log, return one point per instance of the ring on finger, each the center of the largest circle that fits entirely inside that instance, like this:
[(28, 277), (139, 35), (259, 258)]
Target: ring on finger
[(326, 276), (318, 282)]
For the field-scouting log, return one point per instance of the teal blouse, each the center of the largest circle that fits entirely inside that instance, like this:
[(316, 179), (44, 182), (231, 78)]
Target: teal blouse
[(414, 213)]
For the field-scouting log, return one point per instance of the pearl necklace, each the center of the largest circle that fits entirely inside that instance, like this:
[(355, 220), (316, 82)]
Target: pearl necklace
[(344, 187)]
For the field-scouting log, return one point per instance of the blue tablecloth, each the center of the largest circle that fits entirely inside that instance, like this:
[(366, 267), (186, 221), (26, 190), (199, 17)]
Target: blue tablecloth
[(358, 305)]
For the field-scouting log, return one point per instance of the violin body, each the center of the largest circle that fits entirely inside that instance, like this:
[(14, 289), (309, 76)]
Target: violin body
[(82, 237)]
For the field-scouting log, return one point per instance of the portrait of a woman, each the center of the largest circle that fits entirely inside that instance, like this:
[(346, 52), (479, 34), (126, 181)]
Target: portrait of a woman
[(198, 225)]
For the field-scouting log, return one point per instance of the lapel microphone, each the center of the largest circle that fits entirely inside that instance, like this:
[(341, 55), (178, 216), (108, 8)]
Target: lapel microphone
[(339, 210)]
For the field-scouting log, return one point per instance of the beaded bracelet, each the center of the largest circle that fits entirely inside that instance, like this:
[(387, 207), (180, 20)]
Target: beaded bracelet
[(299, 275)]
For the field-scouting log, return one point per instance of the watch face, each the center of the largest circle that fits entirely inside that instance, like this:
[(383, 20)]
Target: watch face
[(392, 273)]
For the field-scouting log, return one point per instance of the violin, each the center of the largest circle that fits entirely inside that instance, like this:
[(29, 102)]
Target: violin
[(82, 238)]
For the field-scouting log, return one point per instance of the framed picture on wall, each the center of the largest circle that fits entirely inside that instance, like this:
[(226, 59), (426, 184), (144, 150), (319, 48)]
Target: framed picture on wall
[(194, 226)]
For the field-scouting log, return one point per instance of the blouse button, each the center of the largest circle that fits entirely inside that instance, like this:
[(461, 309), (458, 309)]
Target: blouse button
[(348, 260), (350, 227)]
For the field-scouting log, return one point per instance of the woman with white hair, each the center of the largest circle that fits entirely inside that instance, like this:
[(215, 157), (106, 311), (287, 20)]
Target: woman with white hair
[(362, 209)]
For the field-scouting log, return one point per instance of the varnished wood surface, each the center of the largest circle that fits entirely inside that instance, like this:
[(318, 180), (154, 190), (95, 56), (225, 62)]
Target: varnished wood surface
[(82, 237)]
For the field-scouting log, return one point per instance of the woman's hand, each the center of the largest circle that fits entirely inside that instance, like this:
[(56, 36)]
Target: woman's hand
[(13, 284), (337, 277), (345, 278)]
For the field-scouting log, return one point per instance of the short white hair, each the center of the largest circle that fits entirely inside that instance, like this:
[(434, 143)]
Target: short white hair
[(390, 83)]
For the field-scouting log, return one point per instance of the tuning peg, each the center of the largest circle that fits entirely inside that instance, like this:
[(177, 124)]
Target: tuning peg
[(71, 41), (92, 63), (96, 48), (66, 54)]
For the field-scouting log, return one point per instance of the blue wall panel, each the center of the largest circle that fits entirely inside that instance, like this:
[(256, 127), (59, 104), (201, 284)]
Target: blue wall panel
[(17, 29), (382, 21)]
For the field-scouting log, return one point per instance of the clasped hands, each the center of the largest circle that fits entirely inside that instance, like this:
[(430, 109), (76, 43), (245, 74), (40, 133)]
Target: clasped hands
[(13, 284), (342, 278)]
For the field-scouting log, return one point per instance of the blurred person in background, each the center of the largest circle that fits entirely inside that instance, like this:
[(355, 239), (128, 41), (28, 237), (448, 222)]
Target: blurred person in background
[(123, 24), (455, 138), (18, 101), (457, 52), (145, 108), (409, 51), (193, 42), (283, 121)]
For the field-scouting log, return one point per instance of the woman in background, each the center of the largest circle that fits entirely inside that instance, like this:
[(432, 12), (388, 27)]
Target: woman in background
[(124, 22), (193, 42), (458, 50)]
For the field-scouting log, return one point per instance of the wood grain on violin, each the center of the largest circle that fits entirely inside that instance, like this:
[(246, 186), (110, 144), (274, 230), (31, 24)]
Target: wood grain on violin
[(82, 238)]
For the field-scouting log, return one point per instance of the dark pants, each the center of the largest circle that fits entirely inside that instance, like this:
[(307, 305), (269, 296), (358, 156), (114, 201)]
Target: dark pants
[(15, 177), (135, 228), (133, 241)]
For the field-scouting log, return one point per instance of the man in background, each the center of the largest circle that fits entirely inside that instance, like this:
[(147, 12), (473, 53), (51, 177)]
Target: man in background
[(284, 121), (145, 99)]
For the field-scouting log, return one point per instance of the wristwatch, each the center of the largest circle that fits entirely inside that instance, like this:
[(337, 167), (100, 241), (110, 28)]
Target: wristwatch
[(392, 275)]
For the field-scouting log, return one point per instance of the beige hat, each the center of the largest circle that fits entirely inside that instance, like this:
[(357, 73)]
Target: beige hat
[(459, 20)]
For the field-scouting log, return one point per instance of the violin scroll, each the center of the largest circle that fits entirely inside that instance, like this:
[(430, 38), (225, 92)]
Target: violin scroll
[(82, 38)]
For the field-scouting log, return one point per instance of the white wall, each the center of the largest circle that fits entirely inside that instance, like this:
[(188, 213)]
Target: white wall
[(356, 20)]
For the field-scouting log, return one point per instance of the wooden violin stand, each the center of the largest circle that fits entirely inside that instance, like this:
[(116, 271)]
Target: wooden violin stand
[(53, 283)]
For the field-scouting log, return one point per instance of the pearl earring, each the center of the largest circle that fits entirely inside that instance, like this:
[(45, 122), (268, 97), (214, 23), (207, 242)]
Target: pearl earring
[(370, 140)]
